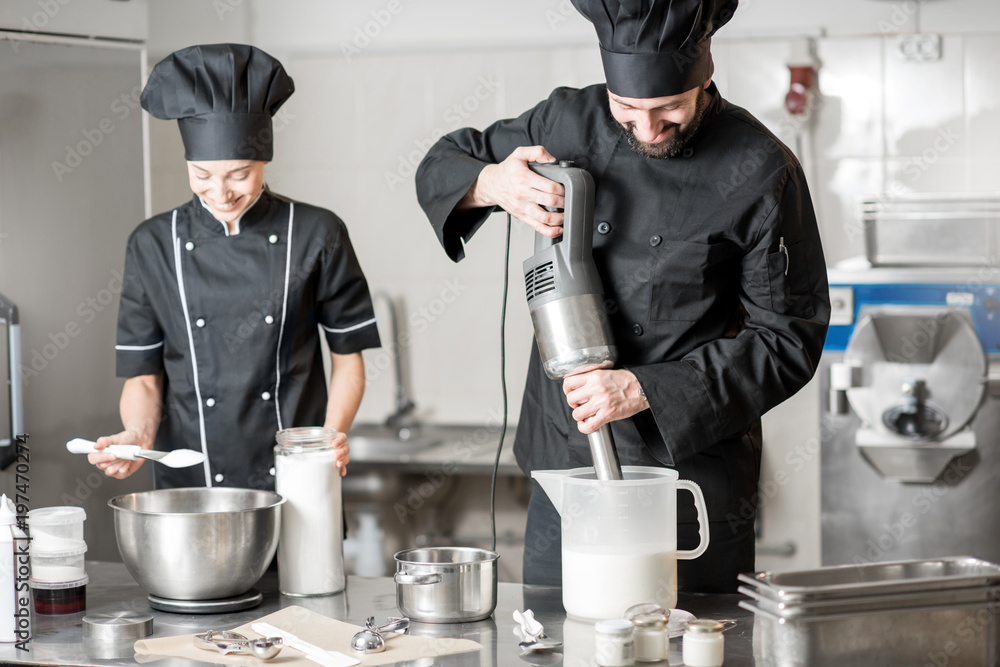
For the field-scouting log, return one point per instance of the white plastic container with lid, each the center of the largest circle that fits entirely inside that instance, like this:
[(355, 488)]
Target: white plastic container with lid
[(60, 597), (57, 544), (56, 526), (614, 643), (58, 566), (311, 546), (58, 576), (12, 599)]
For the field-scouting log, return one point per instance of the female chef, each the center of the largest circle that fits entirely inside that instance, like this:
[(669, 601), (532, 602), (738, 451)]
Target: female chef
[(223, 297)]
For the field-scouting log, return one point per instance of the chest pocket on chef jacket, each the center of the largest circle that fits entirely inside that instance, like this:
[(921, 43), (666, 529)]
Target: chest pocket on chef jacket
[(688, 278), (788, 276)]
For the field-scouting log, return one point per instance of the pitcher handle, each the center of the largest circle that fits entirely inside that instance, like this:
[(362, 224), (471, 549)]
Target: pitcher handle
[(699, 504)]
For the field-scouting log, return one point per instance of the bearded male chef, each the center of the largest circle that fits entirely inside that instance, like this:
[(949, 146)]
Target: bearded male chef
[(709, 252), (224, 297)]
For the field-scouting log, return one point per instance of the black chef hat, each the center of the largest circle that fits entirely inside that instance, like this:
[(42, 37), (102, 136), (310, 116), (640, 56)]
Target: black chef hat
[(655, 48), (223, 97)]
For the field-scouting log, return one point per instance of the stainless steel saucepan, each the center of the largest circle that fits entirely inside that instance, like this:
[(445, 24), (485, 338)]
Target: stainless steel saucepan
[(446, 584)]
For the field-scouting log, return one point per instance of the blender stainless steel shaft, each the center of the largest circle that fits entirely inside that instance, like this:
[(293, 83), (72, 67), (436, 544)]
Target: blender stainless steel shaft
[(566, 300)]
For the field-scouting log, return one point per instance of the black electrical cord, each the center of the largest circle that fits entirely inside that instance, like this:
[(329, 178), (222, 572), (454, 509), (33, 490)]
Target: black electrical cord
[(503, 391)]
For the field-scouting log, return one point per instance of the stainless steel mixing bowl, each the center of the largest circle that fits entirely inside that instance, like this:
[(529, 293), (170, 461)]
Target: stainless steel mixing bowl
[(197, 543)]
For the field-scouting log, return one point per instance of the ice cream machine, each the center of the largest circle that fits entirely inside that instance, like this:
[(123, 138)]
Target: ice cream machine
[(910, 409)]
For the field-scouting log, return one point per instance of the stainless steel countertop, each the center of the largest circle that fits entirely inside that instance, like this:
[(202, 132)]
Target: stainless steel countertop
[(58, 640)]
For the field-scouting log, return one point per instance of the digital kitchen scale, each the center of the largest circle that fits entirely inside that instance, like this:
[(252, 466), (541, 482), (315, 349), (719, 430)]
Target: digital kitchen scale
[(247, 600)]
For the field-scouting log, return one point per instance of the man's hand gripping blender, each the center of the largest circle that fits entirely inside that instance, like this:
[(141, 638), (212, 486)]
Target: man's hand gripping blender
[(565, 298)]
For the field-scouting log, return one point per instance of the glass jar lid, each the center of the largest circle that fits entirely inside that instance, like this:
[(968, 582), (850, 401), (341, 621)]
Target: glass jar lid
[(305, 438), (648, 615), (650, 621), (704, 626)]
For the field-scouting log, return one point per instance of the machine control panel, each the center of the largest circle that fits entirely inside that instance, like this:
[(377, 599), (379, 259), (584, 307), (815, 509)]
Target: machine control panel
[(981, 299), (841, 305)]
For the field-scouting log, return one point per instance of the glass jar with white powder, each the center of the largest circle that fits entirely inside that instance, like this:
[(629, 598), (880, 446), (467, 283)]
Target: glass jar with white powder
[(311, 546)]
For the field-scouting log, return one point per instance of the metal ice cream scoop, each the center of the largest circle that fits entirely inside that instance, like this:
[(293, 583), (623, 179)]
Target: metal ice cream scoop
[(371, 639), (226, 642)]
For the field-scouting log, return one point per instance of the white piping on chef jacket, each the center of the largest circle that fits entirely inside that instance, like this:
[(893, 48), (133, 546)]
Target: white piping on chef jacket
[(132, 348), (284, 308), (352, 328), (194, 360)]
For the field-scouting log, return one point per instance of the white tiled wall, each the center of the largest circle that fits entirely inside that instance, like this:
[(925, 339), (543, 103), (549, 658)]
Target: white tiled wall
[(982, 96), (816, 17), (960, 16)]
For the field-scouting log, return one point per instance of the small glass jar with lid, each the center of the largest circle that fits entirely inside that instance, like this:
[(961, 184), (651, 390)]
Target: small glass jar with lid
[(615, 643), (703, 644), (650, 635)]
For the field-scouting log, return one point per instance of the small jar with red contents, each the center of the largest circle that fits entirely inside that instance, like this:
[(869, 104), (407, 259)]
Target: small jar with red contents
[(58, 579), (59, 597)]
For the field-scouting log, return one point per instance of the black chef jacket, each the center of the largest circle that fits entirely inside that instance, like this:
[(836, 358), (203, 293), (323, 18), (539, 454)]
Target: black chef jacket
[(234, 320), (714, 278)]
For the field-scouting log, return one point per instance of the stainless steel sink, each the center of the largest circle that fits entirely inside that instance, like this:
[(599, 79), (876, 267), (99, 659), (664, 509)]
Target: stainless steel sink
[(380, 442)]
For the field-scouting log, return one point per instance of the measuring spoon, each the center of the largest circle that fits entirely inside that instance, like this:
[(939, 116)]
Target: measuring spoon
[(177, 458)]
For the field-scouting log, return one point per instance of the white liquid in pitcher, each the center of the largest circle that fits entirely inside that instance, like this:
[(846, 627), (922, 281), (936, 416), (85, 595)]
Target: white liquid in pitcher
[(600, 585)]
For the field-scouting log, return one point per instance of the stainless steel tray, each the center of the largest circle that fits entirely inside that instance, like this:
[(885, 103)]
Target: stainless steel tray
[(933, 229), (825, 609), (957, 636), (849, 581)]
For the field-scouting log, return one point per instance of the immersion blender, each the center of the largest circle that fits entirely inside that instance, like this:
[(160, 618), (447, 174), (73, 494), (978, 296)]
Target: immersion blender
[(565, 298)]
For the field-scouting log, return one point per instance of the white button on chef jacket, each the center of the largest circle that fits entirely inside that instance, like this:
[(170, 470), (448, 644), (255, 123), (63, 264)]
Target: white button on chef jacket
[(219, 477), (200, 322), (266, 396), (189, 245), (210, 402)]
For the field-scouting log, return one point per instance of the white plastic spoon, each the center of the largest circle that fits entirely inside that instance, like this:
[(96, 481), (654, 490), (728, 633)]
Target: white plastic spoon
[(178, 458)]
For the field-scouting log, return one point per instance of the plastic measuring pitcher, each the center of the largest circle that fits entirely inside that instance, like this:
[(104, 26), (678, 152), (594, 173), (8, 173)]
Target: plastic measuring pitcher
[(619, 537)]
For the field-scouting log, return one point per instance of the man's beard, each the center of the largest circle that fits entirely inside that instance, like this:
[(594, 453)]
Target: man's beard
[(674, 145)]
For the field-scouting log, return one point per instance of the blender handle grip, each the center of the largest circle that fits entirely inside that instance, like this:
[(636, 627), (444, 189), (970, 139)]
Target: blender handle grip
[(699, 504), (578, 221)]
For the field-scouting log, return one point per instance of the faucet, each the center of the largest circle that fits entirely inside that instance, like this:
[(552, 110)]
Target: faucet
[(404, 406)]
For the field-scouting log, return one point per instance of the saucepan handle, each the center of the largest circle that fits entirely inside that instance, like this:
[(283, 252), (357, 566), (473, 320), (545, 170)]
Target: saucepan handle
[(699, 504), (416, 579)]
